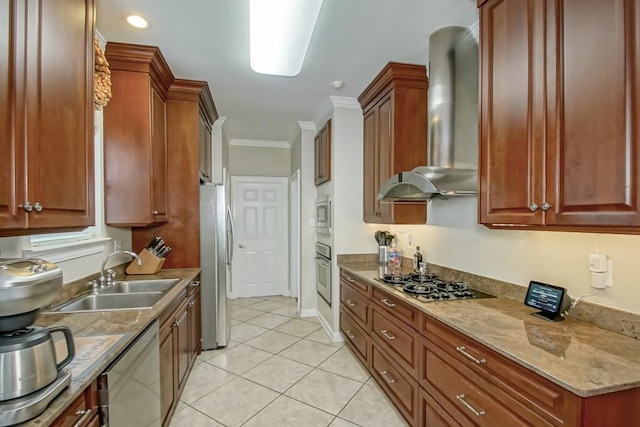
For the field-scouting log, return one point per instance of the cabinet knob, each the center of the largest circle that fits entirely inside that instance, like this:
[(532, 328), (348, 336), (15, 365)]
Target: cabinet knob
[(28, 207), (546, 206), (534, 207), (37, 207), (155, 212)]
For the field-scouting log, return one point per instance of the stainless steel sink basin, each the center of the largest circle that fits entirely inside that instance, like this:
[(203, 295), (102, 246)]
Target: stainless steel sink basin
[(110, 302), (160, 285)]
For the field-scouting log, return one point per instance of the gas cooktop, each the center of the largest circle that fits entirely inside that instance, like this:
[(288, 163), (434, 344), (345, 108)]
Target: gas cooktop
[(428, 288)]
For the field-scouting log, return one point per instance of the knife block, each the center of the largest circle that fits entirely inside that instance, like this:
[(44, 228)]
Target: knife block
[(151, 264)]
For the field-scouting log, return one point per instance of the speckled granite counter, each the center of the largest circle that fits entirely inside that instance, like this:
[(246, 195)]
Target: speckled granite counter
[(125, 324), (580, 357)]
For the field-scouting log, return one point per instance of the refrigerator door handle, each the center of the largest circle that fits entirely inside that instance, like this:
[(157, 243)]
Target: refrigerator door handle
[(231, 244)]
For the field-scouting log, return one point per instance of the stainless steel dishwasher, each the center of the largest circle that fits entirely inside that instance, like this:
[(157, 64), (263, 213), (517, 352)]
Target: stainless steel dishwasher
[(129, 389)]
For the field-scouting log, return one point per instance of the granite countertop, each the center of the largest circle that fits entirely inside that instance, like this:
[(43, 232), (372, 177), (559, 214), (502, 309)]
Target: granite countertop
[(578, 356), (102, 336)]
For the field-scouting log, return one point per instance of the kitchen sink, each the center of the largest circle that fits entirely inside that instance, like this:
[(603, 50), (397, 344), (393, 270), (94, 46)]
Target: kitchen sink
[(134, 286), (110, 302)]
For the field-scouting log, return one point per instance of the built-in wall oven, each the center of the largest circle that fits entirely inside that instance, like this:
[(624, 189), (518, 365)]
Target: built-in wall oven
[(323, 271), (323, 215)]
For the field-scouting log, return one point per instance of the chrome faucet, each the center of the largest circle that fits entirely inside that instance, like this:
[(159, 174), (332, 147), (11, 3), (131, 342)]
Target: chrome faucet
[(109, 279)]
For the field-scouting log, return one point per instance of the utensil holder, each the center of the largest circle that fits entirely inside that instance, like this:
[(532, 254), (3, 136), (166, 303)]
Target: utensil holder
[(383, 255), (151, 264)]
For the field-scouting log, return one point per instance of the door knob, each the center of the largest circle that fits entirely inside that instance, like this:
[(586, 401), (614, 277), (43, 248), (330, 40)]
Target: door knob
[(242, 246), (546, 206), (533, 206), (28, 207), (37, 207)]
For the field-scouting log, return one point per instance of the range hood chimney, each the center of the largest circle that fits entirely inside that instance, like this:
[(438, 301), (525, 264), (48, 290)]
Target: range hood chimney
[(453, 123)]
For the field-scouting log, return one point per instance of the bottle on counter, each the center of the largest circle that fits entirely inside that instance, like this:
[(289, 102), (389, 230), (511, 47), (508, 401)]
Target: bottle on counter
[(417, 259)]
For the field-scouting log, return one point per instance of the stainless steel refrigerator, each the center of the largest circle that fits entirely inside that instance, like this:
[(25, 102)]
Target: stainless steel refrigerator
[(216, 254)]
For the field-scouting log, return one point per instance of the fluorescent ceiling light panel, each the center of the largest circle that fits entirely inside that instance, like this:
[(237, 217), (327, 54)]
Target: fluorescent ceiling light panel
[(280, 32)]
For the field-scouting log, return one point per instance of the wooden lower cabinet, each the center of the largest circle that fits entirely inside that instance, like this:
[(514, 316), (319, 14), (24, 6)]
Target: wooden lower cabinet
[(83, 412), (180, 328), (436, 376)]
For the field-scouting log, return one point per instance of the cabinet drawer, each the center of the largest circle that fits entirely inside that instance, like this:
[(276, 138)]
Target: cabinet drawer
[(355, 303), (358, 284), (396, 307), (548, 399), (80, 412), (355, 336), (400, 388), (480, 401), (397, 339), (433, 415)]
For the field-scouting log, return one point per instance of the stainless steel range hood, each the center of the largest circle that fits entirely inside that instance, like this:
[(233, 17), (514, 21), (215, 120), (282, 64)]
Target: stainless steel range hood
[(453, 123)]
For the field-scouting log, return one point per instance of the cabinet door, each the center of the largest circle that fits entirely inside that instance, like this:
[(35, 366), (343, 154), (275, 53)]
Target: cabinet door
[(12, 179), (159, 157), (384, 156), (511, 112), (370, 197), (194, 325), (183, 349), (167, 363), (322, 145), (593, 155), (59, 122)]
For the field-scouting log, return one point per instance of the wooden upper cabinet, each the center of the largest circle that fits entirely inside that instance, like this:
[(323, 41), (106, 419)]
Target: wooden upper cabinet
[(395, 139), (46, 115), (135, 136), (190, 112), (559, 124), (593, 118), (205, 141), (511, 118), (322, 159)]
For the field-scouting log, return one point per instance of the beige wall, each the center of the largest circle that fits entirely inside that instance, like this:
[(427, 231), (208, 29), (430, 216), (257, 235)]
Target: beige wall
[(258, 161), (296, 154)]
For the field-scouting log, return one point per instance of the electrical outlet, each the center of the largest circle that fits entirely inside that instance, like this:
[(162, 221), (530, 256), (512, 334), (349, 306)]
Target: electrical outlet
[(410, 240), (117, 245)]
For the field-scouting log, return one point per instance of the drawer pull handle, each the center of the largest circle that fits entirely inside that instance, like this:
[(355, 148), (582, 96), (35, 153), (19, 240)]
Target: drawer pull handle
[(350, 335), (350, 303), (386, 378), (462, 349), (350, 280), (389, 337), (86, 413), (477, 413), (387, 303)]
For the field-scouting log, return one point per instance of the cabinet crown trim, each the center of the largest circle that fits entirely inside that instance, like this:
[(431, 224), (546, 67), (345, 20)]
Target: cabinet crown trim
[(395, 74), (135, 57), (195, 91)]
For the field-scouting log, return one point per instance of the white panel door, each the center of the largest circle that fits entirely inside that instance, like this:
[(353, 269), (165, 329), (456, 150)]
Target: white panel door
[(260, 262)]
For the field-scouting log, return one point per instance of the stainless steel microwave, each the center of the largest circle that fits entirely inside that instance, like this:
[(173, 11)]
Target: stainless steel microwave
[(323, 215)]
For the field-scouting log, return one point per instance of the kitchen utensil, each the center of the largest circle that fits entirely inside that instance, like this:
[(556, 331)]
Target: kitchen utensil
[(383, 255), (153, 242), (28, 360)]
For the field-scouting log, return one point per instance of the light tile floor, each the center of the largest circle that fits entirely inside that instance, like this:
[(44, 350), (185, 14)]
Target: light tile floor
[(280, 370)]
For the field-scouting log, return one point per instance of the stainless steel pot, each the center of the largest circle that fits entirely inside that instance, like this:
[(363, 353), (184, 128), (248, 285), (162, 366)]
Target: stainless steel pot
[(28, 360)]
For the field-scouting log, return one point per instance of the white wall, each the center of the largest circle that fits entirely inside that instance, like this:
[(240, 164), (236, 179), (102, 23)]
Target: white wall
[(258, 161), (345, 188), (452, 238), (308, 294)]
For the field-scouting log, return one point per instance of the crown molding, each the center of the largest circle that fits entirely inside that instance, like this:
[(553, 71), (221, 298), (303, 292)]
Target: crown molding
[(259, 143), (344, 102), (307, 126), (220, 121)]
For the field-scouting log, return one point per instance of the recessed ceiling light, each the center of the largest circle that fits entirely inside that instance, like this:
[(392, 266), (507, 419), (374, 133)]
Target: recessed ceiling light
[(280, 32), (137, 21)]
